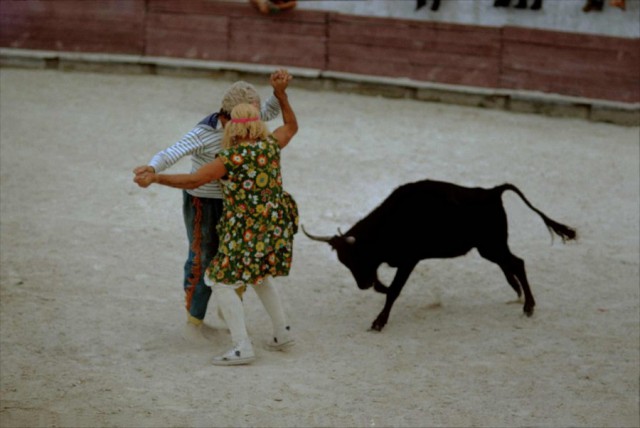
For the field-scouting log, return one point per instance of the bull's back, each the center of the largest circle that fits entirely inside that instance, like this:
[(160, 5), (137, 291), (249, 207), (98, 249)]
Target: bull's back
[(432, 219)]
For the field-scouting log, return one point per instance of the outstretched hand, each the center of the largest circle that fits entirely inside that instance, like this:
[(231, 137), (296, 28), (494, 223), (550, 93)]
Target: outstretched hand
[(143, 168), (144, 175), (144, 179)]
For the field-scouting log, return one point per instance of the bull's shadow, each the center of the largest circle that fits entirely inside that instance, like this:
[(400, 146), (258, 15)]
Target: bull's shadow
[(429, 220)]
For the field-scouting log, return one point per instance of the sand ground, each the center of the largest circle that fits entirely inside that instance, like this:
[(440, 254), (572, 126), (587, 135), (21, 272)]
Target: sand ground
[(90, 268)]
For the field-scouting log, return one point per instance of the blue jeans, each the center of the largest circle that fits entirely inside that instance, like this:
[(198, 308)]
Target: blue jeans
[(201, 216)]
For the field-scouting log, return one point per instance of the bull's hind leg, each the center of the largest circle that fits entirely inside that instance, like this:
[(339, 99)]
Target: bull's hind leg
[(516, 267), (514, 271), (513, 281)]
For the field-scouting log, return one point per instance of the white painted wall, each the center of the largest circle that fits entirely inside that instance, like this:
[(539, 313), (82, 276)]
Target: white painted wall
[(558, 15)]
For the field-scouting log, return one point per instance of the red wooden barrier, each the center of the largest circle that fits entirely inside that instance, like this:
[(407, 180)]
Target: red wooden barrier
[(580, 65), (572, 64), (446, 53)]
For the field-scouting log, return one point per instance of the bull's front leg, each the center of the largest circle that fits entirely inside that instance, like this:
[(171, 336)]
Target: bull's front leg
[(379, 286), (393, 292)]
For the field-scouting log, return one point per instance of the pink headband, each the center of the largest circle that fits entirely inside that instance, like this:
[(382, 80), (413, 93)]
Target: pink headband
[(245, 120)]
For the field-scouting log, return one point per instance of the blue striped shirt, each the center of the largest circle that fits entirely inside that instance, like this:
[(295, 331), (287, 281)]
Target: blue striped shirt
[(203, 144)]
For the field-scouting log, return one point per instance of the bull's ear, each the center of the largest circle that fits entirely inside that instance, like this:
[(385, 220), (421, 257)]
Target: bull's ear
[(338, 242)]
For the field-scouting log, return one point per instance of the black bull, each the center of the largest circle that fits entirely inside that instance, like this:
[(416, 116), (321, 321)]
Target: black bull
[(427, 220)]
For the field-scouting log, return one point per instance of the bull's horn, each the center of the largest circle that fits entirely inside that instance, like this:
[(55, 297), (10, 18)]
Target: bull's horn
[(316, 238)]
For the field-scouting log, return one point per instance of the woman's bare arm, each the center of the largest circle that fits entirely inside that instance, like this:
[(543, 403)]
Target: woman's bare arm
[(209, 172), (284, 133)]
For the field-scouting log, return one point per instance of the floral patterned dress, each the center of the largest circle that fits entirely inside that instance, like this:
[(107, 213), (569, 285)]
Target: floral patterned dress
[(260, 218)]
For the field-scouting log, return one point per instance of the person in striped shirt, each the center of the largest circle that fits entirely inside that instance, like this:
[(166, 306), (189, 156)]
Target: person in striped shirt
[(202, 207)]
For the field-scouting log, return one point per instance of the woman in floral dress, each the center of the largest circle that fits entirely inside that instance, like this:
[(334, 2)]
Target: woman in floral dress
[(259, 221)]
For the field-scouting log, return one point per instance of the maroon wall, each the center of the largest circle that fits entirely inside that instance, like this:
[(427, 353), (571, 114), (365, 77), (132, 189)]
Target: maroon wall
[(73, 25), (571, 64)]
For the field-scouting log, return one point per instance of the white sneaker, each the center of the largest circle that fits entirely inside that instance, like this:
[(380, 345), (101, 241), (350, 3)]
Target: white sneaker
[(241, 353), (281, 341)]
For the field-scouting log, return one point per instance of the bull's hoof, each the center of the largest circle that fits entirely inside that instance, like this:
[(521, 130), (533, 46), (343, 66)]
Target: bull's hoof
[(528, 311), (378, 325)]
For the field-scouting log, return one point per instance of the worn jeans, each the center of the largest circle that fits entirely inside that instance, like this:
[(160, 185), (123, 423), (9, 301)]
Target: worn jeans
[(201, 216)]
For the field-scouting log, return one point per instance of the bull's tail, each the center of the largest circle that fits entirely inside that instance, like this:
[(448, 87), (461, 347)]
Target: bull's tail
[(563, 231)]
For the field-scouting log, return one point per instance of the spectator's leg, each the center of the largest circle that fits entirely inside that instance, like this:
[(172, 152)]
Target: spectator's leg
[(208, 212)]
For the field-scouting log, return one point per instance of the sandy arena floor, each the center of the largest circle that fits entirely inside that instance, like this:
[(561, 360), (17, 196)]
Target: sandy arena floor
[(90, 268)]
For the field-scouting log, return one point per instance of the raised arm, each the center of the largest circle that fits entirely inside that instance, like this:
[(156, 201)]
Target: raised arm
[(284, 134), (209, 172)]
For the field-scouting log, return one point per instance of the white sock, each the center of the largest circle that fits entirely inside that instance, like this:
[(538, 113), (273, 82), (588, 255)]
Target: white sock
[(268, 295), (233, 312)]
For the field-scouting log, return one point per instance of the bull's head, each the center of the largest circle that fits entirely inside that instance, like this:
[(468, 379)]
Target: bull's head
[(352, 256)]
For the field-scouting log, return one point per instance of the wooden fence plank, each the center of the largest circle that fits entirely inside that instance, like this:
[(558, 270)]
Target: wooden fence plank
[(187, 36)]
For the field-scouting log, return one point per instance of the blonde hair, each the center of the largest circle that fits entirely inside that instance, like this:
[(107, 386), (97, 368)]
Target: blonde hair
[(255, 129), (239, 92)]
